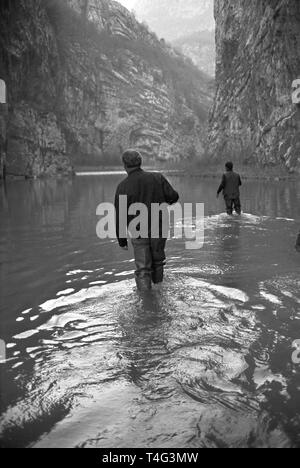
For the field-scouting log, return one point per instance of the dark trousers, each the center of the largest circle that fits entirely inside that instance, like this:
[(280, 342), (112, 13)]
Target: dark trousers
[(233, 203), (150, 259)]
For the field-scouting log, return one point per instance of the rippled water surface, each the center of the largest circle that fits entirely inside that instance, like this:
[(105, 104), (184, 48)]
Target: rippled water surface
[(206, 361)]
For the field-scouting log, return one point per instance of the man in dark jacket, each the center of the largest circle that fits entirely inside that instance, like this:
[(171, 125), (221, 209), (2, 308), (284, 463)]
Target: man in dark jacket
[(146, 188), (230, 186)]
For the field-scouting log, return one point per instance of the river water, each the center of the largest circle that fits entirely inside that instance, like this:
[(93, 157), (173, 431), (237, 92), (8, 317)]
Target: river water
[(205, 361)]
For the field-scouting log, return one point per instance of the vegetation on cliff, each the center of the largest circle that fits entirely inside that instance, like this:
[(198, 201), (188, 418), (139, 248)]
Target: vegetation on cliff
[(86, 80)]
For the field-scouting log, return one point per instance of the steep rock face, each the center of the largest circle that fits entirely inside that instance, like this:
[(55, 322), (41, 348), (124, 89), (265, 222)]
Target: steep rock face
[(187, 24), (85, 81), (29, 61), (258, 57)]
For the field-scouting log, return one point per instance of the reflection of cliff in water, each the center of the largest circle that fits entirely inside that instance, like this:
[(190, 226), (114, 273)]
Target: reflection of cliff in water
[(204, 362)]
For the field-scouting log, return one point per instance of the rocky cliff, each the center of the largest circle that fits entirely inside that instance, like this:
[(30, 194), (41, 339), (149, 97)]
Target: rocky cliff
[(187, 24), (258, 57), (85, 81)]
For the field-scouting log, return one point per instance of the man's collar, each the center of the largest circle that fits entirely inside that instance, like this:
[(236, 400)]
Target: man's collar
[(131, 170)]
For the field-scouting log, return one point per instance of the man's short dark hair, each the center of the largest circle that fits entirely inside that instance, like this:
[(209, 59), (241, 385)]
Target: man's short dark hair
[(132, 158), (229, 165)]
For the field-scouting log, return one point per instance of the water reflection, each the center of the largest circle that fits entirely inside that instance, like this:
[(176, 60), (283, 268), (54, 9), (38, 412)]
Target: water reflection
[(143, 341), (205, 361)]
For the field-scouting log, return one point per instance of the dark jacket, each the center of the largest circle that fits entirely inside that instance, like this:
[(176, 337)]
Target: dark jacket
[(230, 185), (143, 187)]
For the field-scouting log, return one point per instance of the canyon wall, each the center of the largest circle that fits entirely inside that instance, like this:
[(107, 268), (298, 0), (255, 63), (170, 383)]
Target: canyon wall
[(254, 119), (85, 81)]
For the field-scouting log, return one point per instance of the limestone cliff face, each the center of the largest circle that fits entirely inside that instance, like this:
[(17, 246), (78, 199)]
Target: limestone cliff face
[(85, 81), (258, 57), (29, 60)]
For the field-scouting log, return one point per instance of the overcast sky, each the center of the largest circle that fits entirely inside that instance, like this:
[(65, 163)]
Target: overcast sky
[(127, 3)]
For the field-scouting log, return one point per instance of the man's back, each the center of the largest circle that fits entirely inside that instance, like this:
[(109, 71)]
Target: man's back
[(147, 188), (230, 186), (231, 183)]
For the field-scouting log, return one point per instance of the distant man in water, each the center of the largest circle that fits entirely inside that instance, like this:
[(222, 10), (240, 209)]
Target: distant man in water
[(146, 188), (230, 186)]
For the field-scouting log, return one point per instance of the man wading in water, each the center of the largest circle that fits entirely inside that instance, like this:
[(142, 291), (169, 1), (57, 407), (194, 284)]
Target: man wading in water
[(145, 188), (230, 186)]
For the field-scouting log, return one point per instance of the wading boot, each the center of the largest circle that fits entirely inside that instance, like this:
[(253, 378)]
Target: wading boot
[(143, 283), (158, 274)]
